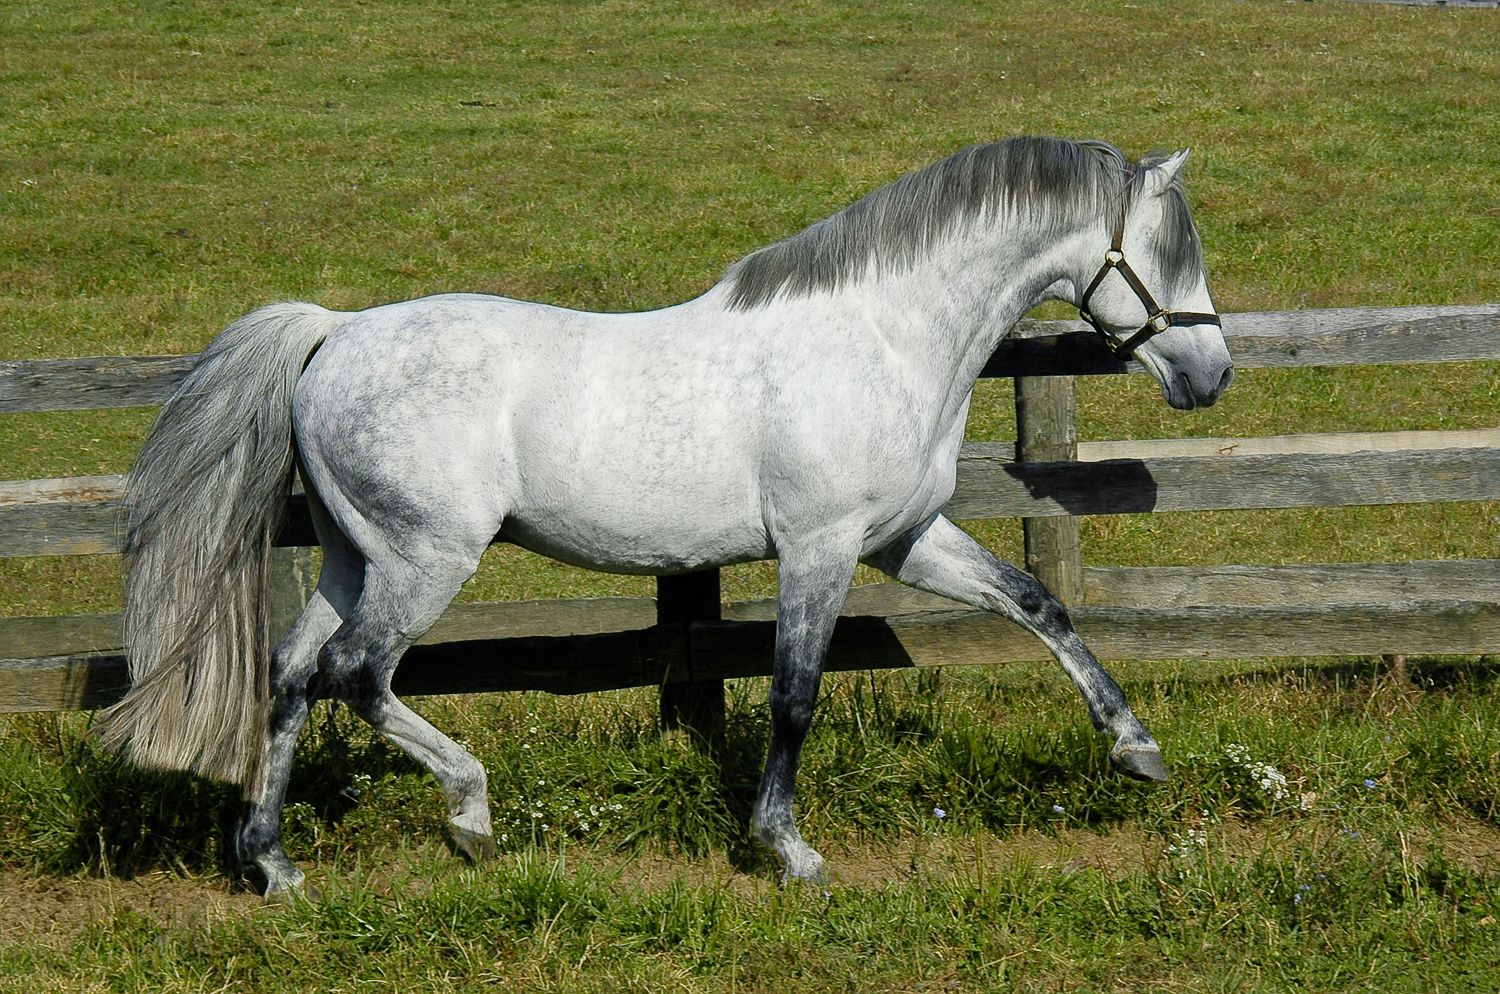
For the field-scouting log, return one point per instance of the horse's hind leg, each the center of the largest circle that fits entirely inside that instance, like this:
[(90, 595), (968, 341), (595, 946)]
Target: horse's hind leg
[(257, 837), (941, 558), (401, 600), (293, 664)]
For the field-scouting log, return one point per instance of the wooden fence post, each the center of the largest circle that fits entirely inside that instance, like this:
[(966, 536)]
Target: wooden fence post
[(1047, 431), (697, 706), (292, 582)]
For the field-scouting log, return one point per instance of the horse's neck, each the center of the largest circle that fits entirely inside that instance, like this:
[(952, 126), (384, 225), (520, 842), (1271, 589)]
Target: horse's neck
[(953, 306)]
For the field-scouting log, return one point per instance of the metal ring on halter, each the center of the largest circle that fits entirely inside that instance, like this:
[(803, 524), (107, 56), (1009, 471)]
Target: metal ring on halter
[(1158, 318)]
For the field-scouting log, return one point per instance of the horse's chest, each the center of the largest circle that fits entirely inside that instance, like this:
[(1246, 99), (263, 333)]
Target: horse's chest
[(905, 500)]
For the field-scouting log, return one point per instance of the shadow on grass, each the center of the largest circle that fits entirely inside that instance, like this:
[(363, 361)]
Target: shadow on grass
[(100, 814), (1440, 673)]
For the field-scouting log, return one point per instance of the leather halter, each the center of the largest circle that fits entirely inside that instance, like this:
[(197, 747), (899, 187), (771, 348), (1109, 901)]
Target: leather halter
[(1158, 318)]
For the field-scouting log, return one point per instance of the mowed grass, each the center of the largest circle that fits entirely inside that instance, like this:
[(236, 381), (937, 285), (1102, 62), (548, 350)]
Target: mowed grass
[(166, 168), (1331, 826)]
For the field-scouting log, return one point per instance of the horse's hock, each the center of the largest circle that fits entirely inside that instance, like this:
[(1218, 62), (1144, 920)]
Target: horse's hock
[(687, 643)]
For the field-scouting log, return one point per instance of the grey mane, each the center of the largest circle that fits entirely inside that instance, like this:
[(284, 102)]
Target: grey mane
[(1051, 181)]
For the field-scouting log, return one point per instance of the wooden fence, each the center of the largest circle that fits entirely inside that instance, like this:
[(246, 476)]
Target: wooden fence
[(687, 643)]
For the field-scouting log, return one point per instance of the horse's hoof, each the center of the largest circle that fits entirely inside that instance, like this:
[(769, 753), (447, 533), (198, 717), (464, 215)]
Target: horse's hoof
[(476, 847), (806, 868), (291, 894), (277, 880), (1140, 763)]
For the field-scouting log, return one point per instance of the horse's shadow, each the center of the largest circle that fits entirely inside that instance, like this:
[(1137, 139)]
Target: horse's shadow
[(125, 821)]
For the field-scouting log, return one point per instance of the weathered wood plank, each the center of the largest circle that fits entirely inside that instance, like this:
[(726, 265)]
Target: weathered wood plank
[(74, 682), (1316, 444), (521, 619), (575, 664), (1330, 584), (29, 638), (74, 516), (691, 704), (1047, 431), (1145, 587), (83, 384), (292, 578), (1454, 622), (1226, 587), (991, 486), (77, 516), (82, 635), (1363, 335), (1257, 339), (958, 638), (1276, 339)]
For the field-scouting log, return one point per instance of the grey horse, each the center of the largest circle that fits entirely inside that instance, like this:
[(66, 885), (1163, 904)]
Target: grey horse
[(808, 407)]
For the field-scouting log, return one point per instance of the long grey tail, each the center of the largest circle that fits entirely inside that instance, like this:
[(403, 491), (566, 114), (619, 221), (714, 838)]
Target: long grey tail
[(206, 497)]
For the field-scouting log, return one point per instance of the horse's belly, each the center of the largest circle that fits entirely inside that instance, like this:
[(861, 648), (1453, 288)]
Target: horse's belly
[(637, 541), (637, 487)]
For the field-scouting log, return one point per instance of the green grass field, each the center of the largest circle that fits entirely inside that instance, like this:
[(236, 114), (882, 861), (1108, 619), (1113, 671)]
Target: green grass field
[(165, 168)]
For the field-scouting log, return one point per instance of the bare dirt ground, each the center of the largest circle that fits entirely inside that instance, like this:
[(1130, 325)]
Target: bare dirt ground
[(36, 908)]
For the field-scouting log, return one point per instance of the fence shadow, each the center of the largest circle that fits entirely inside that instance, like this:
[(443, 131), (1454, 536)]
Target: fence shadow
[(1435, 673), (1108, 486)]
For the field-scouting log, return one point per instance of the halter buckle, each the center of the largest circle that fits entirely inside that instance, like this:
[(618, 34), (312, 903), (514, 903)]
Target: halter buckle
[(1159, 322)]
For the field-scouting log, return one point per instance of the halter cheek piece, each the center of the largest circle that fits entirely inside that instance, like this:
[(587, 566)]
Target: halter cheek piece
[(1158, 319)]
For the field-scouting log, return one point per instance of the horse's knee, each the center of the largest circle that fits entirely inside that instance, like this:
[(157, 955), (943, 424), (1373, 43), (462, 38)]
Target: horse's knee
[(1034, 600)]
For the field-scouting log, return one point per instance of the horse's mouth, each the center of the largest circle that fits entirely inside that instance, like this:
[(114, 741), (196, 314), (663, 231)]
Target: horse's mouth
[(1180, 392)]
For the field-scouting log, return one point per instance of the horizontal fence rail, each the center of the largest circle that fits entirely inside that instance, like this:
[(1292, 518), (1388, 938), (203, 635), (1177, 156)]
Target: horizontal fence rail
[(686, 642), (77, 516), (1257, 340), (587, 645)]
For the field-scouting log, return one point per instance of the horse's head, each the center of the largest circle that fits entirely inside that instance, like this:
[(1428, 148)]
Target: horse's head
[(1149, 297)]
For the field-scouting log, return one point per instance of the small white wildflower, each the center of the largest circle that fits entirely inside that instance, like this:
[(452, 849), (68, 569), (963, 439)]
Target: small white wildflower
[(1058, 809), (939, 813), (1189, 842)]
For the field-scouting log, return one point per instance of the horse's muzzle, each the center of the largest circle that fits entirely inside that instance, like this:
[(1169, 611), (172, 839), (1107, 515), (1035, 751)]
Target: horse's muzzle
[(1192, 387)]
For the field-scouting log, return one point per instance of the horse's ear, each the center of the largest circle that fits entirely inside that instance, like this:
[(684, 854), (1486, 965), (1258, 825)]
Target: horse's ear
[(1161, 174)]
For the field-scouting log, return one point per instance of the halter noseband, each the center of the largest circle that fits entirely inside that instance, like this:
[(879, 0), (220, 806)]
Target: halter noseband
[(1158, 318)]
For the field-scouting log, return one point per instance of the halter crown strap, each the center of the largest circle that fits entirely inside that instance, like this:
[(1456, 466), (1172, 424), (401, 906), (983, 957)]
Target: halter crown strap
[(1158, 318)]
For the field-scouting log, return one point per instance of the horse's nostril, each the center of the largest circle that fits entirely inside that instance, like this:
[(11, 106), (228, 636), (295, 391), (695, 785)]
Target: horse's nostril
[(1225, 380)]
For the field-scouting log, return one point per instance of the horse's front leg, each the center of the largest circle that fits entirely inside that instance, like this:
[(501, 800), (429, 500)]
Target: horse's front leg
[(941, 558), (814, 580)]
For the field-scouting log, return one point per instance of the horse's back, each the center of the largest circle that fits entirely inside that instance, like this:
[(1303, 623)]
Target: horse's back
[(597, 439)]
